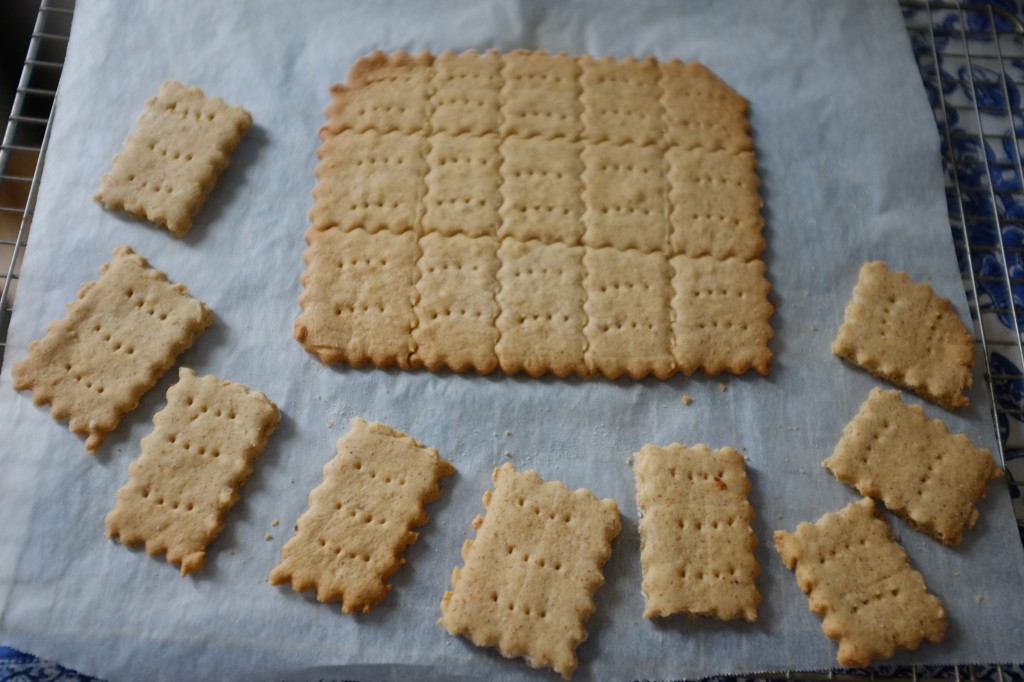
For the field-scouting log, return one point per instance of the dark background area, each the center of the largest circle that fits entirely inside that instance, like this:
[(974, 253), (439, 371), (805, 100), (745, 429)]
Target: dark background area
[(16, 20)]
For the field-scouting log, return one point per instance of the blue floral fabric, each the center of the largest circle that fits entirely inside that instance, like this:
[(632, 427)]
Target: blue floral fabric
[(981, 125), (977, 107)]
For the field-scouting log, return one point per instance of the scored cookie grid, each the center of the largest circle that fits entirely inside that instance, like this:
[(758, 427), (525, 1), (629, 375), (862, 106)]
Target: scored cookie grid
[(421, 224)]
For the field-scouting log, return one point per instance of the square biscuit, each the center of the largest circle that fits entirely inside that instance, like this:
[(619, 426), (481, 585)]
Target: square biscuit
[(933, 479), (907, 334), (859, 578), (456, 307), (721, 315), (627, 308), (716, 207), (540, 295), (466, 95), (541, 96), (385, 93), (696, 542), (528, 578), (542, 190), (371, 181), (626, 197), (201, 451), (115, 341), (462, 185), (358, 296), (349, 542), (621, 100), (172, 159), (701, 110)]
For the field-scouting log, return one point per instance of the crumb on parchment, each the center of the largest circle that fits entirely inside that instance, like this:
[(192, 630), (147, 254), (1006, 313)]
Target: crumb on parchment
[(687, 400)]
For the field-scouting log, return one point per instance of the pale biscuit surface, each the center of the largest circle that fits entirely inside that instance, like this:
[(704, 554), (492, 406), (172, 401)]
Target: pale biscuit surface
[(921, 471), (858, 577), (540, 295), (907, 334), (170, 162), (193, 465), (360, 519), (696, 542), (353, 285), (629, 164), (528, 579), (116, 340), (720, 315)]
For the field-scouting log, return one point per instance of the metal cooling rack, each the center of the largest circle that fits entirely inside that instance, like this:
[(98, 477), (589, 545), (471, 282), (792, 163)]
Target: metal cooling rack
[(971, 59), (24, 144)]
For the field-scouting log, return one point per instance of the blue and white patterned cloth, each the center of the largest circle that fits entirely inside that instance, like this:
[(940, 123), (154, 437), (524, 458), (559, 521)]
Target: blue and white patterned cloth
[(982, 109), (991, 196)]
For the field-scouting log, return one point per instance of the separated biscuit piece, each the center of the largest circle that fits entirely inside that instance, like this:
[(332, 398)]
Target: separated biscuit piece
[(180, 146), (930, 477), (114, 343), (529, 576), (858, 577), (360, 519), (577, 216), (193, 465), (907, 334), (696, 543)]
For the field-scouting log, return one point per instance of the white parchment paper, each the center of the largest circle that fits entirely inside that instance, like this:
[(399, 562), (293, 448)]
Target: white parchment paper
[(848, 154)]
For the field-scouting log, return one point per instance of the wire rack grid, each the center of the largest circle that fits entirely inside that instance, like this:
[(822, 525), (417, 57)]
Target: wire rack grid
[(24, 143), (971, 59)]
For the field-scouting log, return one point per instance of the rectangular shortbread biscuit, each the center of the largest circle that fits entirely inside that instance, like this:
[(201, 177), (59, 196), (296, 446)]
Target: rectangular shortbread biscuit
[(116, 340), (540, 295), (629, 164), (906, 333), (720, 315), (528, 579), (696, 542), (193, 465), (180, 146), (349, 542), (353, 287), (858, 577), (930, 477)]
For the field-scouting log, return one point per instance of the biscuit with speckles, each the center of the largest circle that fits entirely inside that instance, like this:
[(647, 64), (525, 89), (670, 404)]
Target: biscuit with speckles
[(193, 465), (696, 542), (906, 333), (859, 579), (116, 340), (179, 148), (932, 478), (528, 579), (349, 542)]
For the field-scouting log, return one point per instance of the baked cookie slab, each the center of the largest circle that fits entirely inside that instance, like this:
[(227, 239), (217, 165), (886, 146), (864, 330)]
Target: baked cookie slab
[(858, 577), (349, 542), (528, 579), (179, 148), (620, 166), (116, 340), (696, 543), (201, 451), (907, 334), (932, 478)]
